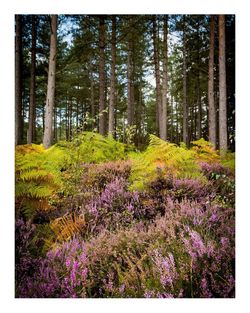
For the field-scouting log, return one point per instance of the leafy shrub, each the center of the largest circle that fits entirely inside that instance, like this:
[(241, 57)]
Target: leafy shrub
[(164, 158), (37, 177), (222, 179), (167, 258), (204, 151), (89, 147), (228, 160), (179, 189), (174, 238)]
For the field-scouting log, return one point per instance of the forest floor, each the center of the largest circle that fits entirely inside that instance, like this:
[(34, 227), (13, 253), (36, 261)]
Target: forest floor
[(96, 218)]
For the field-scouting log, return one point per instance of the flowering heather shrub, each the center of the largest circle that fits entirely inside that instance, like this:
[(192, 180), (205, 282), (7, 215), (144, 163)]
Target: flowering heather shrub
[(222, 179), (174, 238), (191, 246), (113, 208), (24, 260), (182, 188), (99, 175), (211, 170)]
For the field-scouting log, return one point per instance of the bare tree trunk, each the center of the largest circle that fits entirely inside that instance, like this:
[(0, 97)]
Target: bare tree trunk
[(199, 108), (60, 124), (172, 117), (18, 80), (55, 124), (111, 121), (101, 75), (211, 103), (157, 79), (92, 98), (70, 119), (185, 107), (163, 114), (130, 75), (32, 106), (48, 133), (222, 86), (199, 113)]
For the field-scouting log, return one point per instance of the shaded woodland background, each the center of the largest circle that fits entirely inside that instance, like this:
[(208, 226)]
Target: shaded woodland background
[(127, 75)]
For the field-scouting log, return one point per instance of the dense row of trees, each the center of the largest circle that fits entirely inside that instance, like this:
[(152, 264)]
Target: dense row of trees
[(127, 76)]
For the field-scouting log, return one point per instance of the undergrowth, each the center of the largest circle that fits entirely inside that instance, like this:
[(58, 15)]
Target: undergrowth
[(96, 218)]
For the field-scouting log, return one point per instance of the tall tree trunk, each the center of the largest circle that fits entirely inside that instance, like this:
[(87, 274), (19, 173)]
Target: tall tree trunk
[(70, 119), (199, 111), (32, 106), (111, 121), (199, 108), (48, 133), (60, 124), (163, 113), (130, 75), (185, 106), (18, 80), (157, 78), (211, 102), (222, 86), (172, 117), (101, 75), (55, 124), (92, 99)]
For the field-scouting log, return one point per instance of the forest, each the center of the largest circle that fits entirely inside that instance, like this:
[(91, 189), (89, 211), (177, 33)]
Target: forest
[(125, 156)]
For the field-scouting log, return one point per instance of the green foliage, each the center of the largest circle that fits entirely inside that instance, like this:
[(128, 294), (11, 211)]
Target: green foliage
[(163, 158), (37, 177), (204, 151), (228, 160), (90, 147)]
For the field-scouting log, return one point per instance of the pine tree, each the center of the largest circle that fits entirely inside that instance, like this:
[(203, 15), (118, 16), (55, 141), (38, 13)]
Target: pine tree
[(49, 110)]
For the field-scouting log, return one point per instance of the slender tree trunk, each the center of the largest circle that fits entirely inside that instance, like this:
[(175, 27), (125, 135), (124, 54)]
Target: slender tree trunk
[(18, 80), (32, 106), (113, 79), (101, 75), (157, 78), (130, 75), (60, 124), (48, 133), (185, 106), (172, 117), (222, 86), (70, 119), (55, 124), (211, 103), (92, 98), (199, 108), (163, 113)]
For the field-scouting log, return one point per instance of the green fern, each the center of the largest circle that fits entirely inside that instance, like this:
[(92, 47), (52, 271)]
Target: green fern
[(89, 147), (163, 157), (37, 177)]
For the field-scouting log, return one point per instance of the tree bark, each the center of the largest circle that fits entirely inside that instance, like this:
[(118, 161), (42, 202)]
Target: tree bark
[(157, 78), (32, 105), (113, 79), (163, 113), (50, 99), (130, 75), (101, 75), (199, 108), (222, 86), (185, 107), (18, 80), (211, 103)]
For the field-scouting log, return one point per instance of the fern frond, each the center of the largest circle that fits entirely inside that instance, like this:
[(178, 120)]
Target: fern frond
[(165, 157), (67, 226)]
